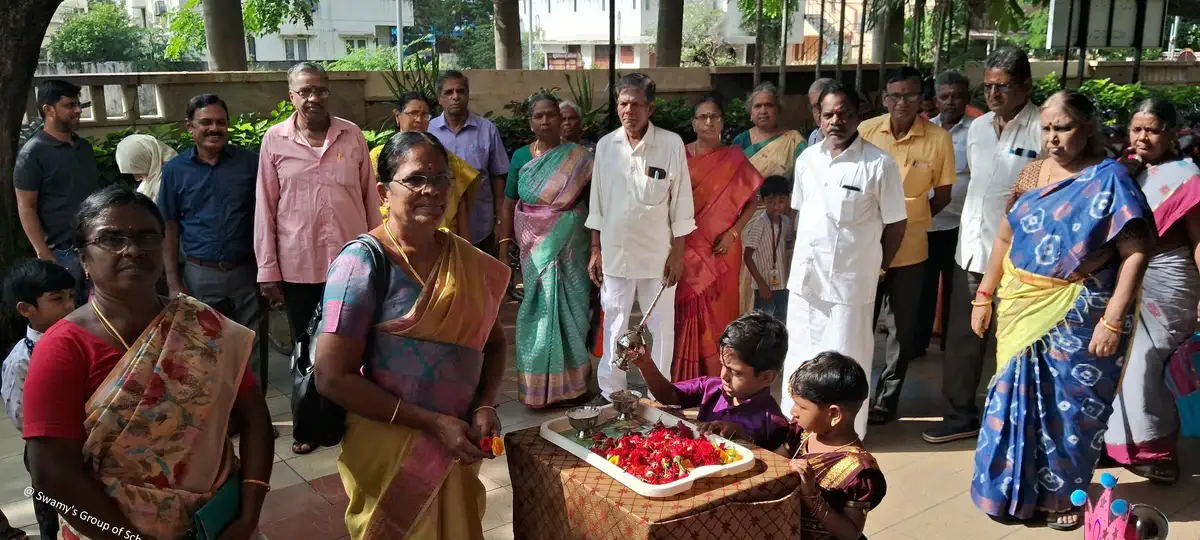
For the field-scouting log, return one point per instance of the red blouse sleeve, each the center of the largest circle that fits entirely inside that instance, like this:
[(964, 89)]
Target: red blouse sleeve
[(56, 389)]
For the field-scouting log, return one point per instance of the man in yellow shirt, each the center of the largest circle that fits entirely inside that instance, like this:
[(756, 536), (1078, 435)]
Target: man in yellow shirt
[(925, 153)]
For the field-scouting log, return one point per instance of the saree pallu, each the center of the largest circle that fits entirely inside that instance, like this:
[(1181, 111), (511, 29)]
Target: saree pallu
[(775, 156), (428, 351), (553, 361), (1047, 406), (708, 296), (462, 188), (157, 425), (1144, 424)]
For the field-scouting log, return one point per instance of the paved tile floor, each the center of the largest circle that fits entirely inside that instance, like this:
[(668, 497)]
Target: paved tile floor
[(927, 499)]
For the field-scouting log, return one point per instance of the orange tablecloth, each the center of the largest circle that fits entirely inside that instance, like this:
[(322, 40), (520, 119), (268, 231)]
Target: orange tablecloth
[(557, 496)]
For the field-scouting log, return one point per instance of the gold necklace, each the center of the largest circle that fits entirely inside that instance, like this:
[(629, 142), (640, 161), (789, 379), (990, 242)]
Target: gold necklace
[(395, 243), (108, 327)]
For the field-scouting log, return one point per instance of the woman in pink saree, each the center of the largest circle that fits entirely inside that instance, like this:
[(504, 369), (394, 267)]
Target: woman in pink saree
[(708, 299), (143, 389)]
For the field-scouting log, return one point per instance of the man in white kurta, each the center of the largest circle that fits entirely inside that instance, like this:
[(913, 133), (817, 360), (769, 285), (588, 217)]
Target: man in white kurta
[(640, 212), (850, 222)]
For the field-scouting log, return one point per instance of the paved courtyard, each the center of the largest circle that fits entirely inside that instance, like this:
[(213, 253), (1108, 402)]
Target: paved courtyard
[(927, 498)]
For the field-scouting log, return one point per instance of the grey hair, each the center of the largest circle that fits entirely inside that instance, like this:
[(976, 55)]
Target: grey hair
[(1080, 108), (1012, 60), (307, 67), (820, 85), (952, 77), (637, 81), (568, 104), (1161, 109), (769, 88)]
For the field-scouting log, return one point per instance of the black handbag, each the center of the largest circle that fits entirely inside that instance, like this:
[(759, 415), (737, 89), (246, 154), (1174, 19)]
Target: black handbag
[(316, 419)]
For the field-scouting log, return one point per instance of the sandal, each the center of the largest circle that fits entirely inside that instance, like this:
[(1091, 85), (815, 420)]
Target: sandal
[(1160, 472), (879, 415), (1052, 520), (301, 448)]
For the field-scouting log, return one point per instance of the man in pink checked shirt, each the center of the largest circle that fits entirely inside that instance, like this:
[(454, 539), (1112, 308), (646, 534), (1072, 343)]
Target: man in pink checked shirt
[(316, 192)]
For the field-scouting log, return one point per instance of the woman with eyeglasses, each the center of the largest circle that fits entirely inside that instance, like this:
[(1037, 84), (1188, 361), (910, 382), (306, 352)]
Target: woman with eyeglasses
[(724, 185), (413, 112), (129, 398), (1143, 429), (416, 356), (1067, 268), (545, 208)]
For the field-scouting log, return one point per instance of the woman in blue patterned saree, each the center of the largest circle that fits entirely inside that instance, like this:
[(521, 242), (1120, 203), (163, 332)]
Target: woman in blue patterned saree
[(1067, 268)]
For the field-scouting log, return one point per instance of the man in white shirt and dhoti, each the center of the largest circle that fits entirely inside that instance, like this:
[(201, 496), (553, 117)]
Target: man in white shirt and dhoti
[(639, 213), (850, 222)]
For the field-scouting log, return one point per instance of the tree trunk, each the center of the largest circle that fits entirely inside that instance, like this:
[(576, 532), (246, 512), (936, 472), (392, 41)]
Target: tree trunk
[(22, 25), (758, 41), (508, 33), (889, 32), (225, 35), (669, 43)]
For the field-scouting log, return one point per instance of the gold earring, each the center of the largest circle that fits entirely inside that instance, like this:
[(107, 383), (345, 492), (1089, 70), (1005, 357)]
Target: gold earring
[(383, 211)]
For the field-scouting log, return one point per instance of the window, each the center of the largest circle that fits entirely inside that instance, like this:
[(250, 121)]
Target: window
[(626, 54), (141, 15), (600, 60), (295, 49), (573, 49), (355, 43)]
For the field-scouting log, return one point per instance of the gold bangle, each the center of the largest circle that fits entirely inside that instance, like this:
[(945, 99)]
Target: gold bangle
[(1111, 328), (981, 304), (395, 411), (257, 483), (503, 240)]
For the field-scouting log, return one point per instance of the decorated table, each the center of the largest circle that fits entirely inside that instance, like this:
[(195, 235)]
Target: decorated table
[(558, 496)]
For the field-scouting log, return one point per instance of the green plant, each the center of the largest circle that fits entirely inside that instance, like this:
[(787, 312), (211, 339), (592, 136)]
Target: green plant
[(377, 137), (377, 59), (103, 33), (259, 18), (419, 75), (477, 48), (247, 130), (1043, 88), (593, 116)]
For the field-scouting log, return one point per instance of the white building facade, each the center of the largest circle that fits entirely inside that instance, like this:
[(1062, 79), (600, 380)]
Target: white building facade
[(339, 27)]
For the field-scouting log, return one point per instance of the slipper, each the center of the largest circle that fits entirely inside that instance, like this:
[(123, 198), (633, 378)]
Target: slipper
[(879, 415), (301, 448), (1052, 520), (1161, 472)]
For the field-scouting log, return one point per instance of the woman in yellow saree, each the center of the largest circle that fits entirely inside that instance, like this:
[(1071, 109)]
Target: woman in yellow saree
[(412, 114), (144, 391), (417, 366)]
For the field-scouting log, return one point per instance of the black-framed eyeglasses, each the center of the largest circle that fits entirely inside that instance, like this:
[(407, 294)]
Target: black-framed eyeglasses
[(117, 243), (1001, 88), (308, 93), (420, 182), (707, 118), (909, 98), (417, 115)]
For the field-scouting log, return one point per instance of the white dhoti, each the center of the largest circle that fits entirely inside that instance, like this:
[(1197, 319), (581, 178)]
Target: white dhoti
[(616, 298), (815, 326)]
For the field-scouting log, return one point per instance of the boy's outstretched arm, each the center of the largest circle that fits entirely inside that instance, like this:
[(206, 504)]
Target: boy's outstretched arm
[(664, 392)]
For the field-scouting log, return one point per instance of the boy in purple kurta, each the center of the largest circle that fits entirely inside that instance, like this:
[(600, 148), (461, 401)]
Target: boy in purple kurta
[(738, 404)]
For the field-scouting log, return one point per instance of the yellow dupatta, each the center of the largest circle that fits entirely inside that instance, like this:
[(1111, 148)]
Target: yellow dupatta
[(1030, 306), (157, 426), (462, 188)]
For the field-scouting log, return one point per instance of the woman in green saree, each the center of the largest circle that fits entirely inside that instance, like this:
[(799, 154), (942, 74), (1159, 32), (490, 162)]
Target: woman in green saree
[(771, 149), (543, 214)]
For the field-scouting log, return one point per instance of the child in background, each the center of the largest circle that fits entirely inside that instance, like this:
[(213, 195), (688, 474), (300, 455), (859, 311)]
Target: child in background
[(42, 292), (738, 405), (766, 246), (839, 480)]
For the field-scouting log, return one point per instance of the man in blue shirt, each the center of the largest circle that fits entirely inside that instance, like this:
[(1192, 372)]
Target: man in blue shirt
[(207, 199), (477, 141)]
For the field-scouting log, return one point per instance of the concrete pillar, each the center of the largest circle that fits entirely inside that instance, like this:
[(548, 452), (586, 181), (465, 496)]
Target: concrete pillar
[(99, 108)]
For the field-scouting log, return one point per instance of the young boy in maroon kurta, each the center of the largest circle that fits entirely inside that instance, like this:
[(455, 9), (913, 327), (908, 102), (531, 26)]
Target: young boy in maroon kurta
[(738, 404)]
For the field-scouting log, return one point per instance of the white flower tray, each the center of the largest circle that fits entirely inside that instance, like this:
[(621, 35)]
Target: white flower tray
[(551, 431)]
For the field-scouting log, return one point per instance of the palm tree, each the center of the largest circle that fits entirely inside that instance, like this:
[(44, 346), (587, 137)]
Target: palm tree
[(669, 42), (508, 34)]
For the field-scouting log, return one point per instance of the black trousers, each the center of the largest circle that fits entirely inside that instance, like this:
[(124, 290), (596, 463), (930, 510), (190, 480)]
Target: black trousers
[(962, 365), (47, 518), (902, 288), (939, 269), (300, 302)]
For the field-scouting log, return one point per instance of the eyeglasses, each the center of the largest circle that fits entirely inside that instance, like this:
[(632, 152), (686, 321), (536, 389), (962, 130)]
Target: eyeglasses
[(1001, 88), (309, 93), (416, 115), (420, 182), (117, 243), (908, 98), (708, 118)]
